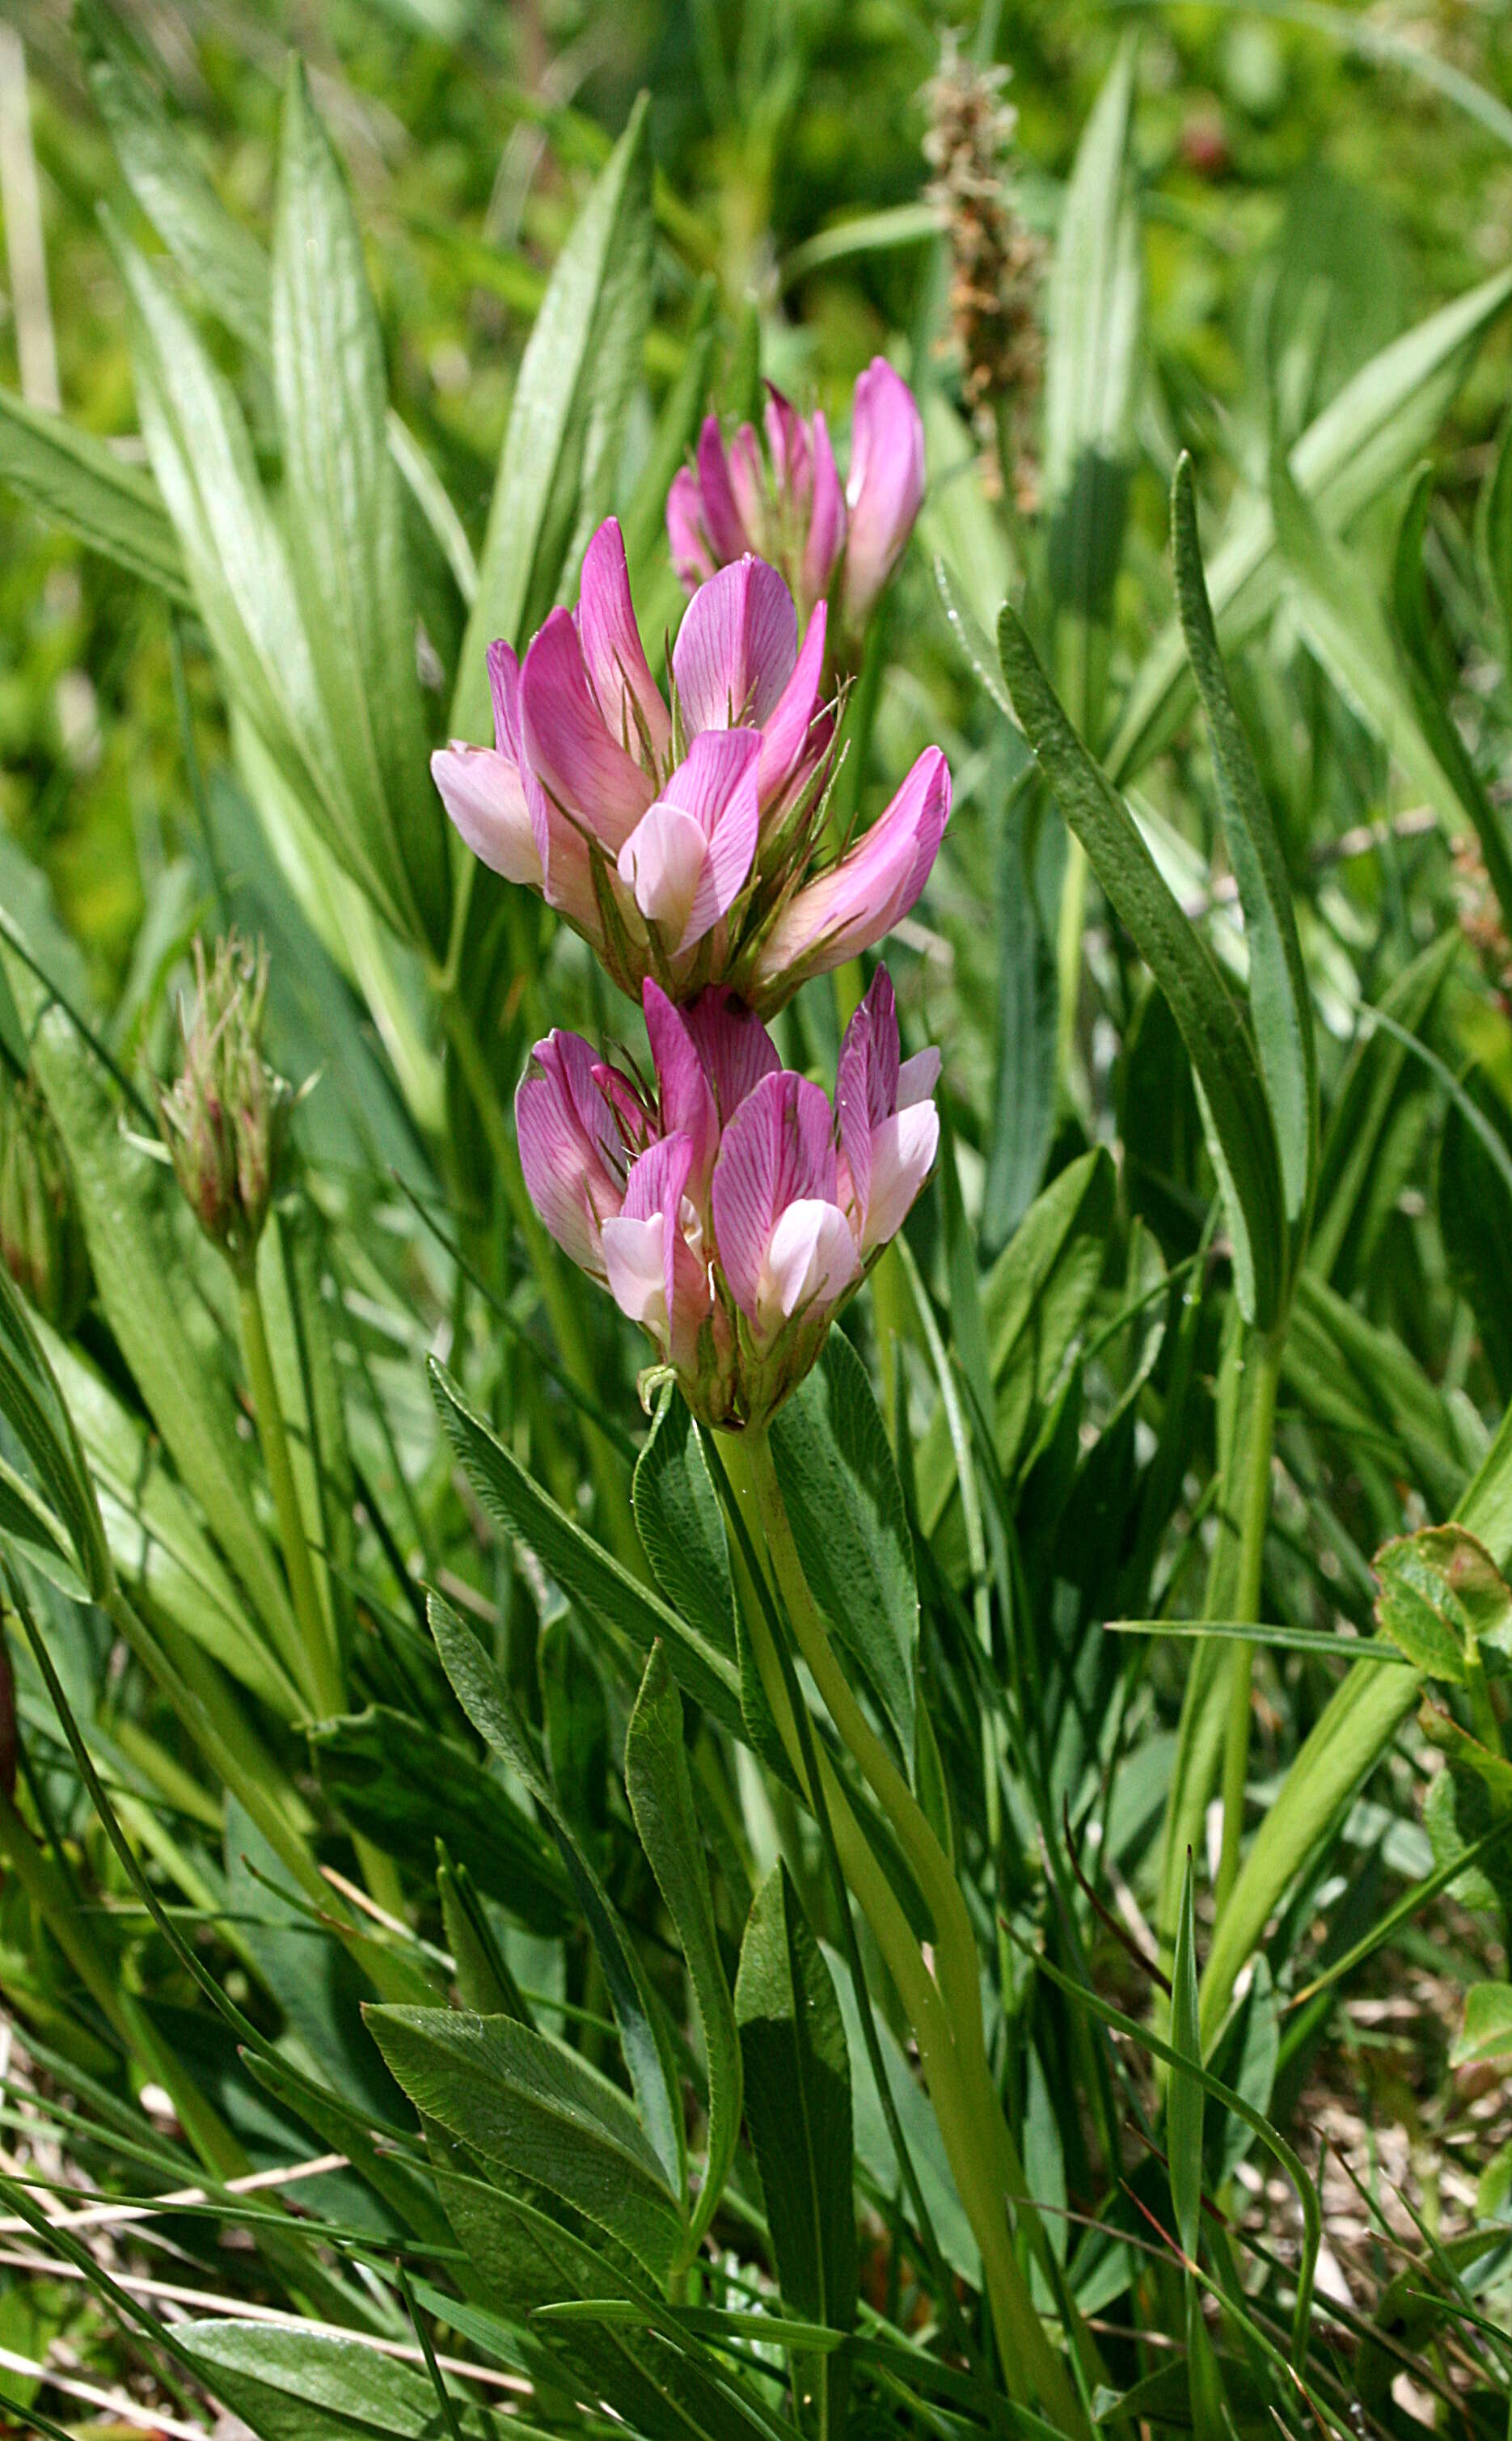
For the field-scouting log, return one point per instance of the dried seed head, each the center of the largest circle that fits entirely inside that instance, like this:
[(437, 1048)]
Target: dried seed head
[(42, 1239), (224, 1117), (996, 263)]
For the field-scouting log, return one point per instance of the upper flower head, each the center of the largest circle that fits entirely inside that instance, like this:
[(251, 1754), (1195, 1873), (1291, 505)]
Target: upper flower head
[(784, 499), (726, 1208), (679, 843)]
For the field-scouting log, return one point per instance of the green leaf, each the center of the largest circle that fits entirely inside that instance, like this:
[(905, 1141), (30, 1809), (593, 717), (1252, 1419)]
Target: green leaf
[(561, 447), (400, 1786), (1094, 296), (1023, 1112), (485, 1981), (681, 1527), (59, 1519), (485, 1699), (1369, 1096), (1487, 2034), (160, 166), (604, 1592), (345, 521), (298, 2385), (1365, 439), (1440, 1597), (1344, 626), (1475, 1219), (77, 482), (528, 2106), (1280, 1001), (798, 2108), (645, 516), (1185, 2098), (845, 1506), (1494, 534), (1241, 1138), (661, 1799)]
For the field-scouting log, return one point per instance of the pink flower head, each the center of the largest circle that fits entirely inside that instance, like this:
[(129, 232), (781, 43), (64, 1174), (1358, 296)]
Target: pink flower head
[(717, 1205), (668, 842), (779, 495)]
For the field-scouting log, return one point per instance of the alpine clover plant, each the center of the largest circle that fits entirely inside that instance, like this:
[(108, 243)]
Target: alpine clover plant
[(823, 1903)]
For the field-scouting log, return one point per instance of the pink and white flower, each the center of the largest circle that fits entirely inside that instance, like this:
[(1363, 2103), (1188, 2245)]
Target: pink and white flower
[(784, 500), (680, 842), (728, 1210)]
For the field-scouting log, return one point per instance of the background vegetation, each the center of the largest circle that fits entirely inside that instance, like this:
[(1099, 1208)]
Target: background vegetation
[(1278, 238)]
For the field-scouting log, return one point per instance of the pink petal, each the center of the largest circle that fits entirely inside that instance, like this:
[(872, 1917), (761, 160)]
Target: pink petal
[(653, 1273), (737, 648), (918, 1078), (827, 522), (747, 483), (728, 537), (789, 733), (886, 483), (504, 687), (634, 1266), (718, 786), (733, 1046), (810, 1262), (692, 558), (482, 792), (779, 1148), (792, 457), (570, 1146), (685, 1093), (868, 892), (566, 745), (567, 866), (627, 694), (903, 1152)]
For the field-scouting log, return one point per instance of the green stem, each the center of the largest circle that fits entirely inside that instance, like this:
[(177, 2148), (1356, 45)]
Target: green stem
[(320, 1676), (945, 2007), (556, 1292), (1253, 1456)]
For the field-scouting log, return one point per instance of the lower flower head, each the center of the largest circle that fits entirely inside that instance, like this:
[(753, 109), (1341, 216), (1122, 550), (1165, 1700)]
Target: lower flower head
[(726, 1208)]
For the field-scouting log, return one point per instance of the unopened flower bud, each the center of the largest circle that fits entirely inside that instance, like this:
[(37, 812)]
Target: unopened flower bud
[(224, 1117), (41, 1235)]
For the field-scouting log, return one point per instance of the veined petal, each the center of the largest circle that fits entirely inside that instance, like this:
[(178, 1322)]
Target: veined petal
[(747, 483), (504, 688), (903, 1152), (663, 862), (737, 648), (717, 785), (787, 437), (687, 538), (886, 483), (779, 1148), (867, 892), (733, 1047), (569, 1147), (788, 733), (810, 1263), (721, 520), (825, 539), (684, 1091), (482, 792), (628, 696), (566, 745)]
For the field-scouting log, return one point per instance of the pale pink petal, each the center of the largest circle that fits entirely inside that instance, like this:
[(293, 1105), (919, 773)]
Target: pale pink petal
[(570, 751), (779, 1148), (691, 559), (736, 648), (811, 1261), (675, 1302), (885, 487), (663, 862), (903, 1152), (721, 520), (790, 730), (629, 695), (868, 892), (634, 1259), (718, 786), (483, 793), (918, 1078), (733, 1046), (826, 520)]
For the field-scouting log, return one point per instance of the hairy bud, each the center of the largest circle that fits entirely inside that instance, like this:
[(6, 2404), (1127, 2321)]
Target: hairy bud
[(41, 1235), (224, 1117)]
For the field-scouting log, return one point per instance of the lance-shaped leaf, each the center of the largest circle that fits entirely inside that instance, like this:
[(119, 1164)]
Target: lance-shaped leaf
[(798, 2107), (1237, 1115), (1091, 354), (76, 480), (560, 452), (288, 2384), (344, 521), (529, 2106), (1280, 1004), (678, 1519), (1360, 444), (485, 1699), (661, 1798), (1185, 2097), (55, 1518)]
